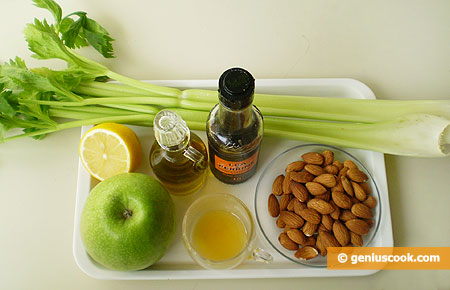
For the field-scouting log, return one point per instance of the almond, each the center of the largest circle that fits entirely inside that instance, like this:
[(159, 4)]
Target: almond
[(311, 215), (347, 215), (299, 191), (326, 179), (341, 200), (341, 233), (315, 188), (350, 164), (370, 222), (357, 175), (320, 205), (326, 196), (320, 246), (332, 169), (328, 157), (309, 228), (295, 166), (338, 164), (291, 219), (342, 172), (273, 206), (280, 223), (306, 253), (286, 186), (347, 185), (354, 200), (297, 236), (338, 186), (362, 211), (314, 169), (366, 187), (290, 206), (311, 241), (357, 226), (286, 242), (284, 201), (302, 176), (313, 158), (359, 192), (356, 239), (370, 202), (336, 213), (298, 206), (322, 228), (277, 186), (328, 240), (327, 222)]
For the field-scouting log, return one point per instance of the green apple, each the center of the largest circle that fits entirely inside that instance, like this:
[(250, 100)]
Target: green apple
[(128, 222)]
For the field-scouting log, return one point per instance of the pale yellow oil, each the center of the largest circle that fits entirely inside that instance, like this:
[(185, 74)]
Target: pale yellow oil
[(219, 235)]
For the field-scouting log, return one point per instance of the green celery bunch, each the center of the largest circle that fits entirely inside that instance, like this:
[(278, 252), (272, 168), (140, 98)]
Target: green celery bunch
[(41, 100)]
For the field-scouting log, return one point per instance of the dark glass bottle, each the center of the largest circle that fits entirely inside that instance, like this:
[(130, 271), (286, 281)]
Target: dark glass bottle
[(234, 128)]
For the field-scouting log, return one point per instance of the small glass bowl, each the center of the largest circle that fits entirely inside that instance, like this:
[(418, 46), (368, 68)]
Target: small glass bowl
[(277, 166)]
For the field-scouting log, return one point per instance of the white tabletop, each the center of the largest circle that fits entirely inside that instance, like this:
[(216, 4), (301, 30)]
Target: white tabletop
[(400, 49)]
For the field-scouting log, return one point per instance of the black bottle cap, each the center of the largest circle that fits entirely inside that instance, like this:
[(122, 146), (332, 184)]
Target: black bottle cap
[(236, 88)]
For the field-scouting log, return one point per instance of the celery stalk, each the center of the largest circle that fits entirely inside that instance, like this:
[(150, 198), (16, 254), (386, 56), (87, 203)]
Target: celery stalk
[(419, 135), (165, 91), (93, 87), (105, 101), (321, 108), (83, 122)]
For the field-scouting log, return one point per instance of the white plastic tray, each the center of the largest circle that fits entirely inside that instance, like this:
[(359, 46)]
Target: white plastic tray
[(177, 264)]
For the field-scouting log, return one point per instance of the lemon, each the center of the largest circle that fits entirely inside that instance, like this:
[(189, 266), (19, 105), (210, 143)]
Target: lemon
[(109, 149)]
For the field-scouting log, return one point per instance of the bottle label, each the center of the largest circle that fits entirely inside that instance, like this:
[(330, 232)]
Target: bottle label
[(235, 167)]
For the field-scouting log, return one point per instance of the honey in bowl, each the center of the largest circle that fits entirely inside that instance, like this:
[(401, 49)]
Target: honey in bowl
[(218, 232), (219, 235)]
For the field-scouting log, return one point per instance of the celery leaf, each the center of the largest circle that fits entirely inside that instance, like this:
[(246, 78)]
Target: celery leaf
[(78, 40), (73, 33), (84, 30), (5, 107), (98, 37), (51, 6), (44, 42), (28, 80)]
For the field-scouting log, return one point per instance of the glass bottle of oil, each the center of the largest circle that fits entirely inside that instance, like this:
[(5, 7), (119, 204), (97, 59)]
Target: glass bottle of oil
[(178, 156), (234, 128)]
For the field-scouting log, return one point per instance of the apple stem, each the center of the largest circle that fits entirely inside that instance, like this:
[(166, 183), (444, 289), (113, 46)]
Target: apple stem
[(127, 213)]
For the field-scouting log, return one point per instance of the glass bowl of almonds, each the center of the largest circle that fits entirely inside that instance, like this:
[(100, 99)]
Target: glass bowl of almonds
[(315, 196)]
